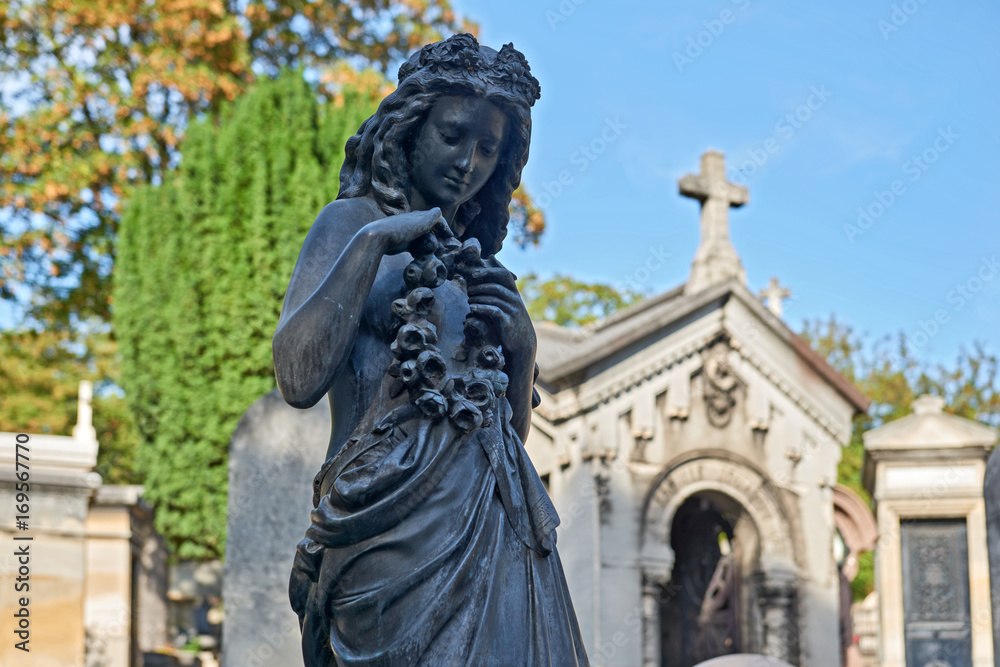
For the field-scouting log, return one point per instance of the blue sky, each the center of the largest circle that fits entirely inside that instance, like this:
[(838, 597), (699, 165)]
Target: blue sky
[(882, 95), (824, 110)]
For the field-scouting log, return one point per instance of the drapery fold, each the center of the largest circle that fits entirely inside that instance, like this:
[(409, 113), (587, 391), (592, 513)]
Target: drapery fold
[(432, 545)]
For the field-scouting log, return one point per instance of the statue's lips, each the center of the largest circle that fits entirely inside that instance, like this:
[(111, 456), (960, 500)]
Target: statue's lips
[(451, 180)]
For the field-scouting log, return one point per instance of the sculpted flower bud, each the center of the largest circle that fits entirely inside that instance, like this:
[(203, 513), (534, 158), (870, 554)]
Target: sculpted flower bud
[(414, 338), (479, 392), (408, 372), (420, 300), (430, 366), (412, 273), (500, 381), (471, 252), (402, 310), (490, 357), (432, 403), (423, 245), (434, 273), (464, 414)]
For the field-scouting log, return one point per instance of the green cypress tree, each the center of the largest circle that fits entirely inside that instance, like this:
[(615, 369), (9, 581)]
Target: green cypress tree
[(204, 259)]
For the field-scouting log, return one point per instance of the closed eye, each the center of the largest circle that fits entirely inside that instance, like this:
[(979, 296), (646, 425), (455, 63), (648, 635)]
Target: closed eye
[(448, 137)]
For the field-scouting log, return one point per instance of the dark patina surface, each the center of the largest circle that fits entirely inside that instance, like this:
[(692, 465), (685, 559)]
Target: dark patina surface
[(432, 539)]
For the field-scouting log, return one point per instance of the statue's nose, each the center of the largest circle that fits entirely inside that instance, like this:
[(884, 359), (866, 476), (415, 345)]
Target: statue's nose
[(464, 161)]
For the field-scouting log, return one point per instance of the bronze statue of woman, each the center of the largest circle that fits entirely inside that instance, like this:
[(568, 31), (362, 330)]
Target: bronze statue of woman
[(432, 540)]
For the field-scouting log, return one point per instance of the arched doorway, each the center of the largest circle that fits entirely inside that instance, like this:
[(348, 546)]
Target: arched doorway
[(719, 570), (700, 609)]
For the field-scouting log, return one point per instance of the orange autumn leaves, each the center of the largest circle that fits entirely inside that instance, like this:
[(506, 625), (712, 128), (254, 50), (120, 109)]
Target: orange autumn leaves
[(98, 95)]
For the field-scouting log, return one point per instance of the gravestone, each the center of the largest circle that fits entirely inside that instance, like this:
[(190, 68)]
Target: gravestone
[(275, 452), (991, 492), (744, 660)]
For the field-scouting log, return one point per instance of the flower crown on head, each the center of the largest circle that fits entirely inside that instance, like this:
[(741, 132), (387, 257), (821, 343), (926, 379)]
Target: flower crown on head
[(507, 69)]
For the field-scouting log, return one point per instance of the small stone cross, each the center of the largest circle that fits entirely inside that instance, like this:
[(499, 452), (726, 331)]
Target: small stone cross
[(773, 295), (716, 259)]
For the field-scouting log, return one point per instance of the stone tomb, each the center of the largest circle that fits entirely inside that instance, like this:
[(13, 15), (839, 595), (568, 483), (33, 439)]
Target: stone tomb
[(925, 472), (991, 491), (97, 580)]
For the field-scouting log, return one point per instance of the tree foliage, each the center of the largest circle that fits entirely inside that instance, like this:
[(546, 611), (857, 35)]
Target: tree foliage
[(40, 378), (203, 265), (97, 96), (527, 221), (566, 301)]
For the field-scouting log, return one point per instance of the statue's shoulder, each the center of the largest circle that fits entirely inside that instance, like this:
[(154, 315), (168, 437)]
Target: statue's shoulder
[(333, 229), (341, 219)]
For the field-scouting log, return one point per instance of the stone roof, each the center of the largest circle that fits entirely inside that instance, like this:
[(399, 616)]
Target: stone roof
[(929, 427), (563, 352)]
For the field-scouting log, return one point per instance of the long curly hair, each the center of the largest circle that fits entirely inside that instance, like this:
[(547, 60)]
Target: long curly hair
[(378, 158)]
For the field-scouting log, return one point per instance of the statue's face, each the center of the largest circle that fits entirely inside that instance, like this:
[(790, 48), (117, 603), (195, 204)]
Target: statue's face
[(455, 153)]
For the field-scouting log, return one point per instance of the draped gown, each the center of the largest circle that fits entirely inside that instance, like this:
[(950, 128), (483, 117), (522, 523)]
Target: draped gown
[(433, 539)]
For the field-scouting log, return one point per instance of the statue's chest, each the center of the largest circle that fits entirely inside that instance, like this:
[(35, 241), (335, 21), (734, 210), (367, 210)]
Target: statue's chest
[(445, 361), (447, 314)]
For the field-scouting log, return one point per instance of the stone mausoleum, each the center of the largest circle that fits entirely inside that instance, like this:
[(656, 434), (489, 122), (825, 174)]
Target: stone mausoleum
[(926, 473), (690, 444), (94, 570)]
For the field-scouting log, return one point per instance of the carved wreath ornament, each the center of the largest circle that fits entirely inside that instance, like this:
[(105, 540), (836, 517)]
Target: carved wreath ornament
[(719, 385), (468, 399)]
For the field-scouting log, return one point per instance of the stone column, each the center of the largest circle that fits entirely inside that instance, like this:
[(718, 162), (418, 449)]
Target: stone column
[(991, 493), (777, 601), (650, 623)]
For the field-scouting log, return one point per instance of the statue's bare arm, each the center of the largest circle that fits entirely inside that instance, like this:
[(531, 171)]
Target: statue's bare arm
[(331, 281)]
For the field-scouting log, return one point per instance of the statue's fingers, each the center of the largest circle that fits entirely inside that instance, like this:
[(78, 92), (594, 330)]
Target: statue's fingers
[(489, 312), (486, 300), (491, 289), (498, 275)]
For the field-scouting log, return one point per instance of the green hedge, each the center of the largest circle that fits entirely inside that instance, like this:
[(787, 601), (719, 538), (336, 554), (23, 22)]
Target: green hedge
[(203, 262)]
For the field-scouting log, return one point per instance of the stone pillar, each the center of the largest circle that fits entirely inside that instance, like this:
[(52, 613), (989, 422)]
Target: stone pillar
[(778, 606), (650, 623), (991, 492), (59, 473), (108, 592)]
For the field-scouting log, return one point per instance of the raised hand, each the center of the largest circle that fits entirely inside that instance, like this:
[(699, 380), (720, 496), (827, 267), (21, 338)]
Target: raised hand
[(493, 296), (395, 232)]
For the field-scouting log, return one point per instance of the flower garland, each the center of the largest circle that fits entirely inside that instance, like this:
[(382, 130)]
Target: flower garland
[(469, 398)]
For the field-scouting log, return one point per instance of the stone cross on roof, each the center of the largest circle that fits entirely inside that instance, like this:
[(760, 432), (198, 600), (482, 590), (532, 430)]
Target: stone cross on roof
[(716, 259), (84, 429), (773, 295)]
